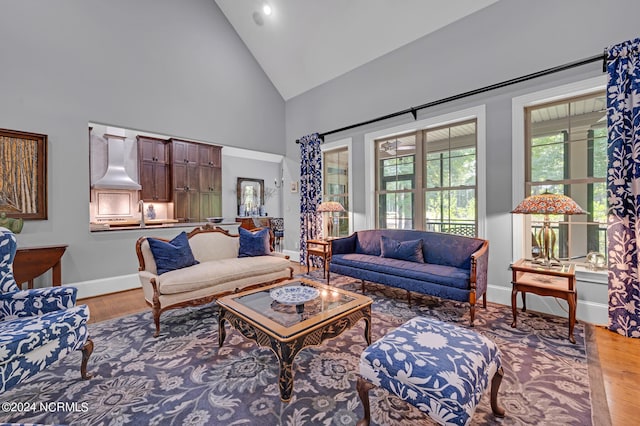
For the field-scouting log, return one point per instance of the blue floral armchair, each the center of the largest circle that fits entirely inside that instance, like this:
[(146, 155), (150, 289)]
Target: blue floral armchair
[(37, 327)]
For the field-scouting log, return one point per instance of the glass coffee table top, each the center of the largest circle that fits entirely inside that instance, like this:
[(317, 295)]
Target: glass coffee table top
[(285, 319)]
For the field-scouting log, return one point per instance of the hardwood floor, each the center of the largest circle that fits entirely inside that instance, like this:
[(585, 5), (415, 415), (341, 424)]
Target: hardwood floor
[(619, 356)]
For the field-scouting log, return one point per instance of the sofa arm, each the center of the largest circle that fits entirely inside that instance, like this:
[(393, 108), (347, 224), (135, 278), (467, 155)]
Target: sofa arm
[(28, 303), (479, 269), (344, 245)]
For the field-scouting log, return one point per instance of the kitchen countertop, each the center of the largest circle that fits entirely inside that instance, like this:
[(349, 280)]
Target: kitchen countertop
[(158, 225)]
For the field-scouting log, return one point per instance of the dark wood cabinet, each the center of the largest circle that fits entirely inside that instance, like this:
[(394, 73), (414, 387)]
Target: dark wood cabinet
[(209, 155), (196, 180), (186, 206), (184, 151), (153, 150), (153, 156), (210, 204)]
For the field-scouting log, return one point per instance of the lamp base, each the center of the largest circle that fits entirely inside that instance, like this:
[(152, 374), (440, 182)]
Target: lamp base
[(547, 238), (547, 263)]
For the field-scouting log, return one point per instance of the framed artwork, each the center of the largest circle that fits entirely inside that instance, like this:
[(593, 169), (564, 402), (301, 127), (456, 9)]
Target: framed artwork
[(23, 175), (294, 186), (250, 196)]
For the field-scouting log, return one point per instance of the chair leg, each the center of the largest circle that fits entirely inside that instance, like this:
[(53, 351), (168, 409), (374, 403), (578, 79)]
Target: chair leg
[(156, 320), (498, 411), (363, 386), (87, 350)]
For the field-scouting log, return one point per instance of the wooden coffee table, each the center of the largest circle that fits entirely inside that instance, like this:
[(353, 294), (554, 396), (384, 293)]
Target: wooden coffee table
[(287, 329)]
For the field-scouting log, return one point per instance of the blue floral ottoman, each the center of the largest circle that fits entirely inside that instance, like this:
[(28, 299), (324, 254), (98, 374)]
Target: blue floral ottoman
[(440, 368)]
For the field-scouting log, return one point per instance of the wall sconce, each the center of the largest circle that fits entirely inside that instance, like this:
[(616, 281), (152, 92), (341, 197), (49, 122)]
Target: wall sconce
[(281, 183)]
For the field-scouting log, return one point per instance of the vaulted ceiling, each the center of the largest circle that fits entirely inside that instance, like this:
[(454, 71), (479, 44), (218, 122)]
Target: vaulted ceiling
[(305, 43)]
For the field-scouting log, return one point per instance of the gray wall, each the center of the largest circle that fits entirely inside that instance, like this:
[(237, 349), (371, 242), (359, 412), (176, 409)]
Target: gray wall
[(501, 42), (169, 67)]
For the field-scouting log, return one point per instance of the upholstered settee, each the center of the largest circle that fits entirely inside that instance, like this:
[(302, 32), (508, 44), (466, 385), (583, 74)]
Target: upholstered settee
[(219, 265), (37, 327), (444, 265)]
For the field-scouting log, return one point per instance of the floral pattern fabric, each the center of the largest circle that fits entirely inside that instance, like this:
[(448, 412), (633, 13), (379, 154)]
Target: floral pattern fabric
[(29, 345), (37, 327), (8, 246), (440, 368), (310, 194), (182, 377), (38, 301), (623, 186)]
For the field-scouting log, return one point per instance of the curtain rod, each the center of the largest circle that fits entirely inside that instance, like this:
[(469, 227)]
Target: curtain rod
[(414, 110)]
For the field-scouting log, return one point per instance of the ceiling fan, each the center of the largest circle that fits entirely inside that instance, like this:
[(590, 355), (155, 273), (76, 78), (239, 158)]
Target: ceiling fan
[(390, 147)]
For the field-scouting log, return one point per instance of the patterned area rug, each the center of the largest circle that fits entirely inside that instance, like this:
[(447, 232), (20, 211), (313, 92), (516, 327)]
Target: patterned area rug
[(181, 378)]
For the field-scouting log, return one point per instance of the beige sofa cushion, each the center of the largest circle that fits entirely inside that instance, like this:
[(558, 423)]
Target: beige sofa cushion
[(214, 272)]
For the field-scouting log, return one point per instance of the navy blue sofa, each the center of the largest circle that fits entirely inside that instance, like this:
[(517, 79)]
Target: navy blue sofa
[(450, 266)]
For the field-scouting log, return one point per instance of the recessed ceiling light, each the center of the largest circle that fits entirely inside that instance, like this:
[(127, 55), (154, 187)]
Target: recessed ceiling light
[(266, 9)]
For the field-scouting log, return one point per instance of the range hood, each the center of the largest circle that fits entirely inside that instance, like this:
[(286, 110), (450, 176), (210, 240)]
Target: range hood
[(116, 176)]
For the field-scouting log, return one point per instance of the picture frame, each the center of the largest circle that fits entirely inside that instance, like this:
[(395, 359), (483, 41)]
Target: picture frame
[(250, 194), (23, 176), (294, 186)]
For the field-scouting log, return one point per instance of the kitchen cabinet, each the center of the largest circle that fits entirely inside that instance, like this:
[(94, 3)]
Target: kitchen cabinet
[(153, 149), (209, 155), (184, 151), (196, 180), (187, 206), (153, 156), (210, 205)]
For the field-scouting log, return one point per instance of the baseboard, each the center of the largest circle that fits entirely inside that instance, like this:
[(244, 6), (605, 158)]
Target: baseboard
[(592, 312), (106, 285)]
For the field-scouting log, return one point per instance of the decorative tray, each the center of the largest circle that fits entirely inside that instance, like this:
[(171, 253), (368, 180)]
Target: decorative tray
[(294, 294)]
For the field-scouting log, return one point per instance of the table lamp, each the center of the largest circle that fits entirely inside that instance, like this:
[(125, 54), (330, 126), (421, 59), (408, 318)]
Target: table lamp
[(330, 207), (548, 204)]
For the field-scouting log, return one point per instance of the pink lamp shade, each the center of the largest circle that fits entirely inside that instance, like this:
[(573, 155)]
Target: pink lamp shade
[(548, 203), (330, 206)]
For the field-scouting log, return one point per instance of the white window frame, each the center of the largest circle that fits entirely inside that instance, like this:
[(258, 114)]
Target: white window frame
[(518, 105), (342, 143), (478, 113)]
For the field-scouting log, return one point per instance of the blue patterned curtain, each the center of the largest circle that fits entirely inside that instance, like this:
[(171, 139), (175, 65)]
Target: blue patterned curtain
[(310, 193), (623, 186)]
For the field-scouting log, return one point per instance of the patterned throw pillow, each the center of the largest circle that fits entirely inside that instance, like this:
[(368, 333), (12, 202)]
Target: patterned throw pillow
[(254, 243), (403, 250), (172, 255)]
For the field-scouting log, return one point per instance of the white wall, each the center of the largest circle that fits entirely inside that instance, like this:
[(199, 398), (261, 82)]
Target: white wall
[(167, 67), (506, 40)]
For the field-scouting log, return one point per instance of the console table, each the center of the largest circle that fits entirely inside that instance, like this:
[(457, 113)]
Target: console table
[(31, 262), (322, 249), (555, 281)]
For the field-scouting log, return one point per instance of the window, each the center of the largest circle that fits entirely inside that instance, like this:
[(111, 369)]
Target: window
[(335, 179), (429, 175), (566, 153), (450, 179)]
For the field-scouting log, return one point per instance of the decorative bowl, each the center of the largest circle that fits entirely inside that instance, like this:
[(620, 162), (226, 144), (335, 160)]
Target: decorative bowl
[(294, 294), (214, 219)]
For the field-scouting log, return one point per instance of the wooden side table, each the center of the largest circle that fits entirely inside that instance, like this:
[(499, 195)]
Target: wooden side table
[(31, 262), (320, 248), (556, 281)]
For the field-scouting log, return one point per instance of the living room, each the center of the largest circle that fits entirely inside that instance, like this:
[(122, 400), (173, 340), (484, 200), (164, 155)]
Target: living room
[(181, 70)]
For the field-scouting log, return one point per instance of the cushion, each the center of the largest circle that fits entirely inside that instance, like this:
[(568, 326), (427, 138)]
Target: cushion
[(402, 250), (254, 243), (175, 254), (438, 367)]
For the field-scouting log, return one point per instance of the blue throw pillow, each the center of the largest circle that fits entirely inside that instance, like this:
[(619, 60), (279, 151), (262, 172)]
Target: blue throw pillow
[(254, 243), (175, 254), (403, 250)]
